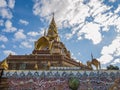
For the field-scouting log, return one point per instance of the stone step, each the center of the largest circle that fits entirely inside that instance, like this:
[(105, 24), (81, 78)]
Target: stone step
[(3, 84)]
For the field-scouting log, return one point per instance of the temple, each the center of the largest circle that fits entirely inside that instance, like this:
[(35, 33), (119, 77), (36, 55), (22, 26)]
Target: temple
[(51, 67), (48, 52)]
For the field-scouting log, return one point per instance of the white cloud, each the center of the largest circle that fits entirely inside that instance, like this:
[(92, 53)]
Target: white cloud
[(9, 27), (73, 32), (79, 53), (91, 31), (14, 46), (7, 52), (106, 58), (73, 13), (3, 38), (31, 40), (42, 31), (19, 35), (2, 46), (6, 7), (110, 51), (6, 13), (73, 56), (33, 34), (26, 45), (68, 35), (65, 10), (8, 24), (1, 22), (23, 22), (111, 48), (3, 3), (11, 3), (112, 0), (116, 61)]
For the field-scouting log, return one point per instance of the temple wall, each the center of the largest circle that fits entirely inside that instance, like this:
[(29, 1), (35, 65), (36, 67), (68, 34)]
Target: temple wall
[(58, 79)]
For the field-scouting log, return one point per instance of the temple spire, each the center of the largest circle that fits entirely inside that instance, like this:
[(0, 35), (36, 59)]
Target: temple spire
[(53, 22), (52, 30)]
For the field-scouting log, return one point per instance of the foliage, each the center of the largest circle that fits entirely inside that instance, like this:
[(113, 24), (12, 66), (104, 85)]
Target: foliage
[(74, 83), (111, 67)]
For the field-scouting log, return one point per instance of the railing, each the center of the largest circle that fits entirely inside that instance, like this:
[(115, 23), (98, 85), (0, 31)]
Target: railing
[(75, 72), (65, 68)]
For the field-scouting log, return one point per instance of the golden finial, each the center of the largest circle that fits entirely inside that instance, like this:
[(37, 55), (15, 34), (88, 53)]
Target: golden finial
[(53, 14)]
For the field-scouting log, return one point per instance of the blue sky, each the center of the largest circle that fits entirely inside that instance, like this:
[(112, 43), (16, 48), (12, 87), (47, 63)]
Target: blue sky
[(84, 26)]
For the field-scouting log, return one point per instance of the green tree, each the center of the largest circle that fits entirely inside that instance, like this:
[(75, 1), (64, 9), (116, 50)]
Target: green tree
[(111, 67), (74, 83)]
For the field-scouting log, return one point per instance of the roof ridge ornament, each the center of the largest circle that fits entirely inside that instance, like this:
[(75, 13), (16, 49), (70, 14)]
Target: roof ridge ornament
[(52, 30)]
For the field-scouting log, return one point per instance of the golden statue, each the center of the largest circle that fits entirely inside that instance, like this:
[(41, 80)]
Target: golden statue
[(36, 67), (89, 64), (4, 64), (48, 65), (116, 85)]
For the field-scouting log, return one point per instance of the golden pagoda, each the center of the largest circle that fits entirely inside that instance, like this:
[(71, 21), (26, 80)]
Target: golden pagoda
[(48, 52)]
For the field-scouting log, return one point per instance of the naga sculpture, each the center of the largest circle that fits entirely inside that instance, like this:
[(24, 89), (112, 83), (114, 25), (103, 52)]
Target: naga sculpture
[(89, 64), (94, 62)]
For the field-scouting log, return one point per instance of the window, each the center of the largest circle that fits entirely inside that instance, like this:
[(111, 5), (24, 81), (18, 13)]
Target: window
[(14, 66), (22, 66)]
